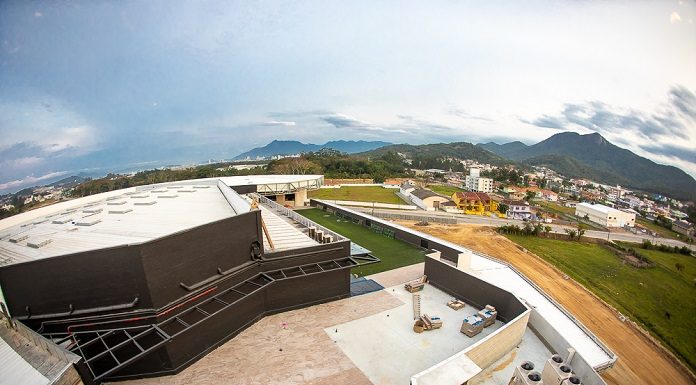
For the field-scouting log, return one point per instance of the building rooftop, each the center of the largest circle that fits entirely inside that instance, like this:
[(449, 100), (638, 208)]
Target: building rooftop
[(423, 193), (131, 217), (501, 275)]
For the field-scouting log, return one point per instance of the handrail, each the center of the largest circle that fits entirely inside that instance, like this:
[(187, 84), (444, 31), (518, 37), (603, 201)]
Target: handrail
[(296, 217)]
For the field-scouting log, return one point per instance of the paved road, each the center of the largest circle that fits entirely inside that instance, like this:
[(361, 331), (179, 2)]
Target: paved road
[(619, 235)]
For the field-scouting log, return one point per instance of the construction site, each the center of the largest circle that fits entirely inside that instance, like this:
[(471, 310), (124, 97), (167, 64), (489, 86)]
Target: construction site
[(213, 281)]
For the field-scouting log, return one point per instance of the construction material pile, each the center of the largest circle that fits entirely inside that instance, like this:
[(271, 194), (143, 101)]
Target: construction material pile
[(489, 315), (416, 285), (456, 304), (426, 322), (472, 325)]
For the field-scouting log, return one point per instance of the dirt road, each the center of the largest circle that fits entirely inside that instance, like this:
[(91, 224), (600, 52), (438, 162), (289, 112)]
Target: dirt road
[(640, 360)]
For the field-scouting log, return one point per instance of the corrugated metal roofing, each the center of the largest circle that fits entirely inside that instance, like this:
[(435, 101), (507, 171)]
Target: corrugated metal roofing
[(15, 370)]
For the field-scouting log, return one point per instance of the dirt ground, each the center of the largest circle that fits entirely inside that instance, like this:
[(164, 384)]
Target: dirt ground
[(640, 360)]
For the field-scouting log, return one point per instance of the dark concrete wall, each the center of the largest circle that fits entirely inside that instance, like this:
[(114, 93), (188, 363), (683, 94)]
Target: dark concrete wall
[(151, 271), (455, 282), (192, 256), (86, 280), (472, 290)]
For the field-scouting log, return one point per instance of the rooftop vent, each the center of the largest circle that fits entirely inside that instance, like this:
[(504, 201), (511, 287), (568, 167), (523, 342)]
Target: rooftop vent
[(201, 186), (120, 211), (60, 221), (18, 238), (92, 204), (167, 196), (88, 222), (37, 243), (39, 221), (174, 187), (526, 365), (139, 196), (158, 190), (114, 198), (93, 210), (117, 203), (186, 191), (145, 203), (556, 358)]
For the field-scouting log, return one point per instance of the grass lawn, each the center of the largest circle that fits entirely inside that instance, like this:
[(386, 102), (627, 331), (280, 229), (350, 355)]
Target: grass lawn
[(654, 227), (555, 207), (393, 253), (358, 193), (444, 189), (661, 298)]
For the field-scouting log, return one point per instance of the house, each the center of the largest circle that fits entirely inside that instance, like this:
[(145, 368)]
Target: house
[(605, 215), (544, 194), (684, 228), (475, 203), (406, 188), (517, 209), (427, 199)]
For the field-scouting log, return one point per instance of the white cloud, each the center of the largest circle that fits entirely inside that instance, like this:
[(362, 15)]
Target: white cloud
[(29, 180), (674, 18), (38, 14), (280, 123)]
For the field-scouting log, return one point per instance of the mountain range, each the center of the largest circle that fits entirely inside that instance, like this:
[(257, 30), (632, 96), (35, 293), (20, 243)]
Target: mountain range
[(591, 156), (289, 147)]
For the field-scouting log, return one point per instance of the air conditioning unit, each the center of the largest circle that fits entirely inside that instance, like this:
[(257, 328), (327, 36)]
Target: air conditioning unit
[(572, 380), (525, 375), (555, 371)]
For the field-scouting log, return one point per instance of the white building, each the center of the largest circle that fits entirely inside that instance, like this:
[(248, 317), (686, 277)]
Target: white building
[(606, 216), (517, 209), (474, 182)]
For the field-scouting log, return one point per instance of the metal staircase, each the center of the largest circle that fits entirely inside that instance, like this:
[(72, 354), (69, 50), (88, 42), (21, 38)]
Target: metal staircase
[(107, 351)]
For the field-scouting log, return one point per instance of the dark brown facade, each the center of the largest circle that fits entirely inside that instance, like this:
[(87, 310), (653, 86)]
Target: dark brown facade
[(155, 308)]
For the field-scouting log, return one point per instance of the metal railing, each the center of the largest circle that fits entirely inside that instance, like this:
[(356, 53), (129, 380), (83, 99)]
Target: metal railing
[(280, 209)]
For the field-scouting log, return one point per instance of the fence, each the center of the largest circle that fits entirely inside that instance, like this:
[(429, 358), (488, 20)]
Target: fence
[(295, 216)]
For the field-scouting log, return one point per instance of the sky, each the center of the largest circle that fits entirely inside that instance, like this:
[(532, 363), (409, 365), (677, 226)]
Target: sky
[(90, 86)]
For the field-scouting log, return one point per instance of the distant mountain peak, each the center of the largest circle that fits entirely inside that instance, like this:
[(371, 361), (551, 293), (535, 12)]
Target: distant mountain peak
[(592, 156)]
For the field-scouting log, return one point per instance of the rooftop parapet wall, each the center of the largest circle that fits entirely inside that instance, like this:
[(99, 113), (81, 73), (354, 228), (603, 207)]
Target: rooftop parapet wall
[(595, 350)]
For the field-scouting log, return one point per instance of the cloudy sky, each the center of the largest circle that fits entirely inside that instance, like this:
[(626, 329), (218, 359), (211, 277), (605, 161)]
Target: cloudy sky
[(89, 85)]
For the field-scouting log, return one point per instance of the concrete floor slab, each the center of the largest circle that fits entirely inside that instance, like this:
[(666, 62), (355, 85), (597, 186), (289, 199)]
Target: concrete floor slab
[(387, 350), (285, 349)]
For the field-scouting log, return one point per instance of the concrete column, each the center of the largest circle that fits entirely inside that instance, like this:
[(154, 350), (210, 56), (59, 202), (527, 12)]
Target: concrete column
[(300, 197), (464, 261)]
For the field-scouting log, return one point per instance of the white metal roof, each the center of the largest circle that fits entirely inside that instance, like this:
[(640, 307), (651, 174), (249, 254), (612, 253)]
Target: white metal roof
[(504, 277), (80, 225), (15, 370)]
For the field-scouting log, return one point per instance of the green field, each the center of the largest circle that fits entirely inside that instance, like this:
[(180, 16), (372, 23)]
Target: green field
[(444, 189), (661, 298), (393, 253), (567, 213), (358, 193)]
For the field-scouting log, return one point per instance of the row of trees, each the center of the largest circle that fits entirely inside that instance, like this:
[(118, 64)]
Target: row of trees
[(537, 229), (647, 245), (334, 164)]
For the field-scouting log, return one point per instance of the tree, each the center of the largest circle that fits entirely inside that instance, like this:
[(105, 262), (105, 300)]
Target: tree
[(571, 233), (547, 230), (296, 166), (581, 231), (502, 208), (529, 195), (679, 266)]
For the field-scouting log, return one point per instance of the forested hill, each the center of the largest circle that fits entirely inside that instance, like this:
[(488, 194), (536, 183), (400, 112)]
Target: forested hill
[(592, 156)]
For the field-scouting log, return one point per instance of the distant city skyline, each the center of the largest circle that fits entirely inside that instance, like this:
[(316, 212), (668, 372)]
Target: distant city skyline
[(95, 85)]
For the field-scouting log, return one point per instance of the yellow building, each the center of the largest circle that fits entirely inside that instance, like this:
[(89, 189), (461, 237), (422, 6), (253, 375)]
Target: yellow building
[(475, 203)]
